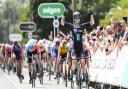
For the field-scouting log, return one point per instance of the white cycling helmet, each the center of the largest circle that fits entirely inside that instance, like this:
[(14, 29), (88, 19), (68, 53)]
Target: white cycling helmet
[(40, 43)]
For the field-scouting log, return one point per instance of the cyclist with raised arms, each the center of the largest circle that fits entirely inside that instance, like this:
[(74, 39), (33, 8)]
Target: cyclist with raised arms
[(77, 30)]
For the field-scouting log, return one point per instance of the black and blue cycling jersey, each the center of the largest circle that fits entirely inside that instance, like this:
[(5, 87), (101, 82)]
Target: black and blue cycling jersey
[(77, 31)]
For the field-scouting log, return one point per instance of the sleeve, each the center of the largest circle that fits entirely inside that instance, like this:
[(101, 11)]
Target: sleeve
[(26, 48), (84, 25), (68, 24), (52, 50)]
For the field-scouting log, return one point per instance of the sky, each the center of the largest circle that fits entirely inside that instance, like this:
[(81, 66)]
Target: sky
[(2, 1)]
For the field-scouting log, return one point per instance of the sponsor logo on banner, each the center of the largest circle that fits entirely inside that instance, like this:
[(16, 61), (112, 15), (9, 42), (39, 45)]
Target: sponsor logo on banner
[(110, 69)]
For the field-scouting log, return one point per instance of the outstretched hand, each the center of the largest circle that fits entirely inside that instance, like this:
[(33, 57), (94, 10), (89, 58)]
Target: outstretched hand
[(62, 20), (90, 12)]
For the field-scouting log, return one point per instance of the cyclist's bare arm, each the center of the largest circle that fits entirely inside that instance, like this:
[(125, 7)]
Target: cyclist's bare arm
[(63, 23), (62, 20), (113, 47), (12, 53), (23, 53), (63, 35)]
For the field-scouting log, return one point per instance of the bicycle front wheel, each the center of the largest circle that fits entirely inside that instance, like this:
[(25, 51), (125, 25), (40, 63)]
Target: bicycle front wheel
[(33, 82), (79, 79)]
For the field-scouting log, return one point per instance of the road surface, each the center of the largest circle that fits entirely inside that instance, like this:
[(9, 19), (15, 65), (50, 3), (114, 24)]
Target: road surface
[(11, 82)]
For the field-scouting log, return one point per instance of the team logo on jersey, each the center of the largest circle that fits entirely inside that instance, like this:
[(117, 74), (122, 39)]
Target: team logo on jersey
[(75, 30)]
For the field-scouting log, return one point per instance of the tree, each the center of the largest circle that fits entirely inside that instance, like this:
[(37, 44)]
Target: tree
[(118, 11), (10, 17), (99, 8), (46, 25)]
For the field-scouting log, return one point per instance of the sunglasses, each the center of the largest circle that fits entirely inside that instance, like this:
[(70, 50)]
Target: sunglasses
[(32, 47), (77, 18)]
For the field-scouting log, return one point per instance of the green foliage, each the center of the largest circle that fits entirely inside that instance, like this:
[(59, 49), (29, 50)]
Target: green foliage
[(65, 1), (117, 12), (13, 12), (21, 12), (44, 25), (98, 7), (25, 13)]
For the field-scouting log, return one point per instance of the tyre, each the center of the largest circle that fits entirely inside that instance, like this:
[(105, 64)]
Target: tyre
[(72, 84), (66, 81), (41, 80), (50, 71), (72, 81), (79, 79), (58, 78), (33, 82), (33, 76), (41, 74), (9, 67), (20, 79), (87, 81), (97, 86)]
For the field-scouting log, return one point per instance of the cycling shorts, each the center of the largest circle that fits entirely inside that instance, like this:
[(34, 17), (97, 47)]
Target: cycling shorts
[(77, 54), (29, 54), (87, 54), (77, 51), (8, 54), (18, 58)]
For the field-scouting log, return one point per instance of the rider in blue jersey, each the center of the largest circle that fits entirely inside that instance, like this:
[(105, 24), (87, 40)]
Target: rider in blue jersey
[(18, 51), (30, 50)]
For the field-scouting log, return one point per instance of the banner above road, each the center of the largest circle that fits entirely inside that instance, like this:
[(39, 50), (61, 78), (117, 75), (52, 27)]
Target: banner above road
[(51, 10), (15, 37), (27, 26)]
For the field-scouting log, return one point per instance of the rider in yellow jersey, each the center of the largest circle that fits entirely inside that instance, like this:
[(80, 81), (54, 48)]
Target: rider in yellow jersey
[(63, 50), (62, 54)]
